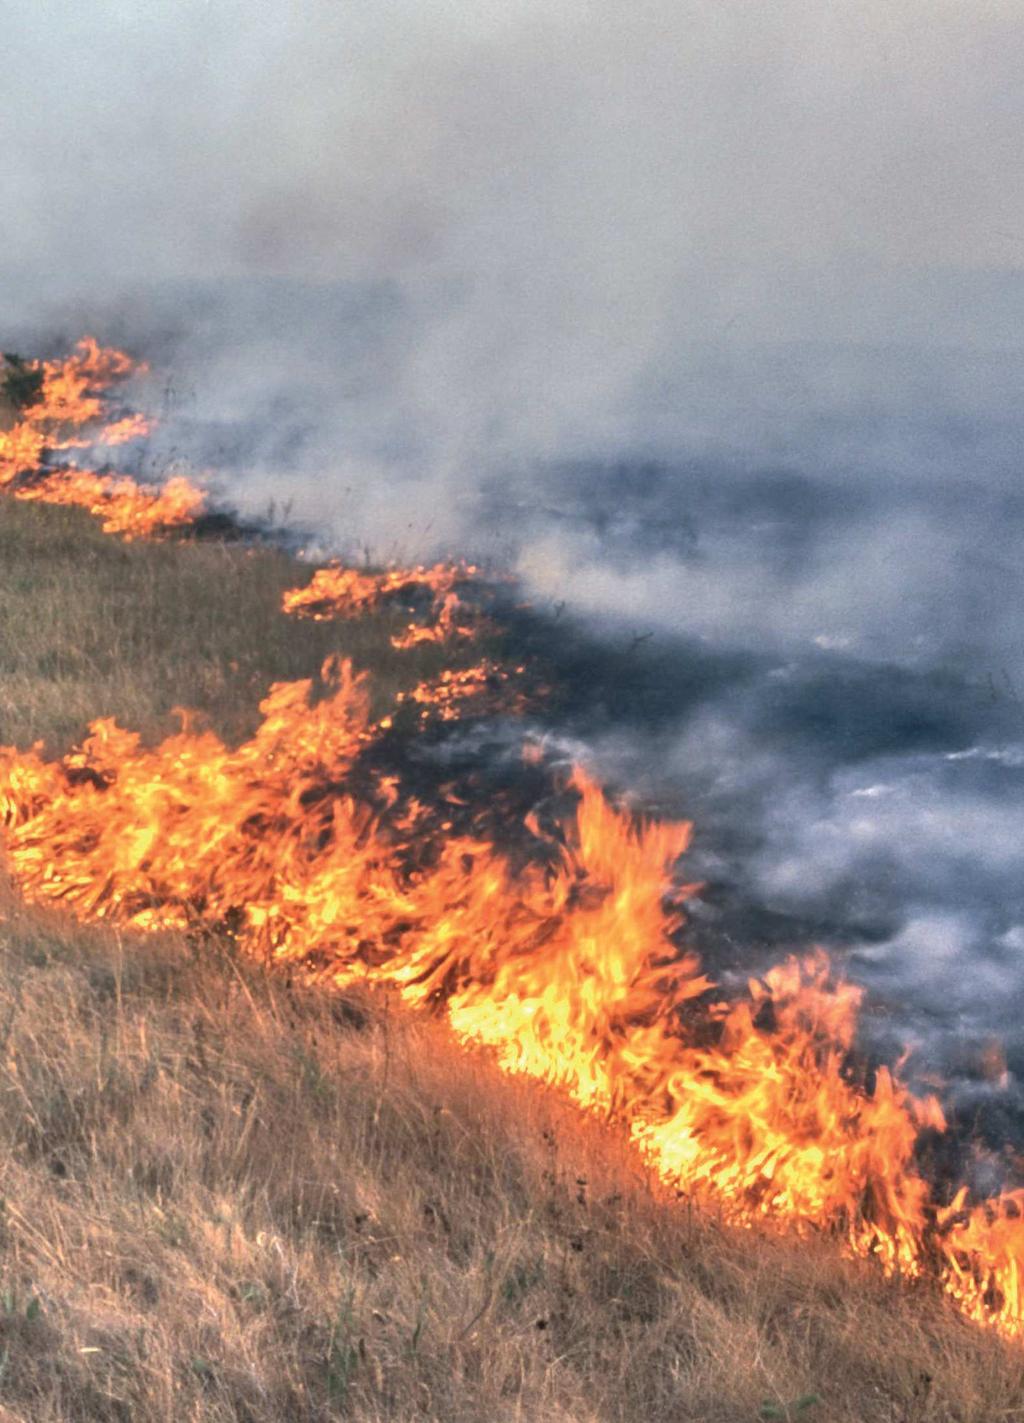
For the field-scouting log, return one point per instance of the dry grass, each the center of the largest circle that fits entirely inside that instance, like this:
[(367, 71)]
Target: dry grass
[(93, 627), (228, 1198)]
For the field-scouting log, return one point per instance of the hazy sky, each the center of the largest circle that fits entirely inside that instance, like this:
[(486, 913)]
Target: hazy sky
[(620, 169)]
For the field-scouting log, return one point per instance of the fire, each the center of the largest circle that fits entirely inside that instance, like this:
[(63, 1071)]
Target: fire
[(70, 414), (444, 628), (487, 689), (566, 964), (125, 507), (338, 592)]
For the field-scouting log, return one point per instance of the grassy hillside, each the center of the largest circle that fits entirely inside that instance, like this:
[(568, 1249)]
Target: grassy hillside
[(227, 1197)]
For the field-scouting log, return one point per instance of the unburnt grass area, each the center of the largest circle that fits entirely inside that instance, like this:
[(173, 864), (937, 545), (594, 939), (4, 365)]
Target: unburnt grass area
[(226, 1196), (93, 626)]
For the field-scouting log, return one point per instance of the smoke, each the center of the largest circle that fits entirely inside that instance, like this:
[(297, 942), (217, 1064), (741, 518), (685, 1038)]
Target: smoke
[(399, 255), (705, 315), (568, 201)]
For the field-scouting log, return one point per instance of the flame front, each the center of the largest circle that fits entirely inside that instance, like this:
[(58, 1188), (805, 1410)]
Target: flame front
[(568, 968), (69, 414)]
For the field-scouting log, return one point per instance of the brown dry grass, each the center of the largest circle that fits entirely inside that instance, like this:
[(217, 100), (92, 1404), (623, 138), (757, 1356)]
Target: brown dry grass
[(93, 626), (228, 1198)]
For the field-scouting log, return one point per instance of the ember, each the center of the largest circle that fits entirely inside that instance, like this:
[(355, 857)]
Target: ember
[(488, 687)]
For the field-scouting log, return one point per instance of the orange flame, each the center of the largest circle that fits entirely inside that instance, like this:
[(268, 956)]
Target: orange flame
[(337, 592), (71, 402), (568, 968), (125, 507), (443, 629), (487, 687)]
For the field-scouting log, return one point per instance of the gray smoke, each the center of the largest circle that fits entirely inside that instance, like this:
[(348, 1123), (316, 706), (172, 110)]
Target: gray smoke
[(705, 315), (598, 223)]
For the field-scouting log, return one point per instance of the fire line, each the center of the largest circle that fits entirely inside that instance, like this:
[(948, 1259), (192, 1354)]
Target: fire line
[(568, 967)]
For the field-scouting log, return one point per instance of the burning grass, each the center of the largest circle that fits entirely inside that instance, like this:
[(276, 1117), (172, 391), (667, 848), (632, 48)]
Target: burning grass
[(229, 1197), (64, 405), (296, 836), (566, 965)]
